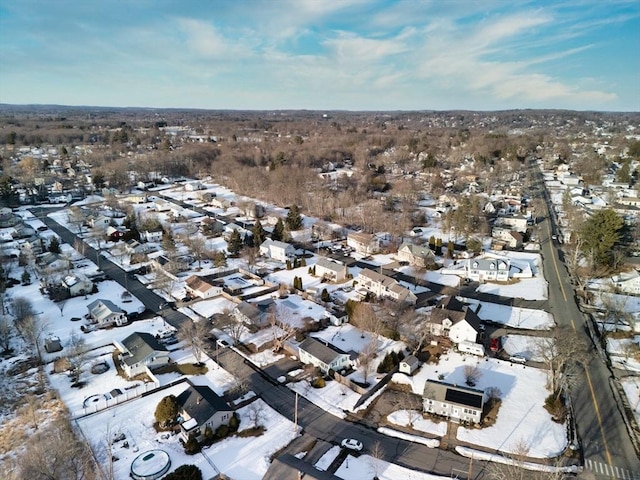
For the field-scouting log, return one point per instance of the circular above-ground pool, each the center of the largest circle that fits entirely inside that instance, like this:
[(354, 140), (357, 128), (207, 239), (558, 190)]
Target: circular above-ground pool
[(93, 400), (150, 465)]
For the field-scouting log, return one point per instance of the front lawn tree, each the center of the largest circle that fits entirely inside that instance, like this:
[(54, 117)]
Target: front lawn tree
[(599, 235), (167, 411), (294, 220), (277, 235), (194, 335), (235, 243)]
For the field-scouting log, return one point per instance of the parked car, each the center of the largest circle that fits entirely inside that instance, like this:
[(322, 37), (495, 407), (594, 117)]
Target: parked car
[(351, 444), (494, 344), (517, 359)]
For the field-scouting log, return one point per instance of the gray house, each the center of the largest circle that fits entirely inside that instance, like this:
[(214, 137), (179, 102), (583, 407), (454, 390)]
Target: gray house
[(332, 271), (140, 351), (200, 408), (105, 313), (322, 355), (453, 401)]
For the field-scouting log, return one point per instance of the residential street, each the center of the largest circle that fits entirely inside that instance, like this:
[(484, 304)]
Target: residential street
[(600, 426), (601, 429)]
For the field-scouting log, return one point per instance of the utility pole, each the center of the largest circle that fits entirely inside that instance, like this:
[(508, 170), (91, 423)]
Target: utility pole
[(295, 415)]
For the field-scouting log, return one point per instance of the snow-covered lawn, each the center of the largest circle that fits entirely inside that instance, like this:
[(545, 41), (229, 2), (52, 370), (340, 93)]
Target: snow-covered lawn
[(515, 317), (403, 417), (521, 415), (246, 458), (334, 398), (526, 288), (626, 303), (620, 353), (365, 467), (631, 386), (524, 346), (432, 276)]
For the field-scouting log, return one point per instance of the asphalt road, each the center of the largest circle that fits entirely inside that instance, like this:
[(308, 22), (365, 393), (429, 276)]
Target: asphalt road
[(602, 433)]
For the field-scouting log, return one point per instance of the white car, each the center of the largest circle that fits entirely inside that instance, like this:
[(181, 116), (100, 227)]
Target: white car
[(351, 444)]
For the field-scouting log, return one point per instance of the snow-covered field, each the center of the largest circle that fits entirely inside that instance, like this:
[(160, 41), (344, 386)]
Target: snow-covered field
[(521, 416), (515, 317), (365, 467), (246, 458)]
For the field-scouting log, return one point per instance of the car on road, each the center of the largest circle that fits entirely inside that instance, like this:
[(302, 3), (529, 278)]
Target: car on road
[(554, 237), (351, 444)]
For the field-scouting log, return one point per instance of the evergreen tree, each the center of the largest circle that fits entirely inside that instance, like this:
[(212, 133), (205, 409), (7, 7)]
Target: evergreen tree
[(278, 231), (432, 242), (294, 220), (54, 245), (259, 235), (235, 243), (324, 296), (26, 278), (185, 472), (167, 410), (599, 234), (438, 246)]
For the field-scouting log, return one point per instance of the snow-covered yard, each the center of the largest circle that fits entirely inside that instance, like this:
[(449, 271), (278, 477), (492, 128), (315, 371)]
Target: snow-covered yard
[(515, 317), (521, 415), (523, 346), (246, 458), (405, 418), (631, 386)]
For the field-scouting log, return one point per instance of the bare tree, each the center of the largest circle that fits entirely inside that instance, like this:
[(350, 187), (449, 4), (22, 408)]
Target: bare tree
[(235, 365), (76, 355), (256, 413), (366, 358), (561, 353), (22, 308), (32, 329), (5, 333), (472, 374), (365, 318), (282, 327), (376, 461), (56, 454), (194, 335), (228, 323)]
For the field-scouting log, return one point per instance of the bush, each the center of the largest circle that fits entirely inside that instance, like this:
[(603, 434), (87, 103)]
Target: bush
[(318, 382), (390, 361), (222, 431), (167, 410), (192, 446), (208, 434), (555, 405), (234, 422), (185, 472)]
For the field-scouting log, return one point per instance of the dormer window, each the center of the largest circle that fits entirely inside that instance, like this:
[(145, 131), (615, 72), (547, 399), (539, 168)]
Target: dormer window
[(492, 266), (475, 264)]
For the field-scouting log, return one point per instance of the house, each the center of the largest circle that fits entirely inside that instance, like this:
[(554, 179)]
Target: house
[(154, 236), (364, 243), (256, 314), (114, 234), (201, 408), (330, 270), (487, 267), (627, 282), (77, 284), (321, 355), (199, 287), (512, 238), (515, 222), (416, 255), (98, 222), (452, 401), (454, 319), (384, 287), (290, 467), (409, 365), (170, 266), (106, 314), (277, 250), (141, 351), (133, 247)]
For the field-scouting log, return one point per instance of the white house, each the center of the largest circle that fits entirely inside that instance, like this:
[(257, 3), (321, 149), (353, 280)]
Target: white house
[(330, 270), (453, 401), (512, 238), (487, 267), (77, 284), (454, 319), (201, 407), (384, 287), (199, 287), (105, 313), (409, 365), (516, 222), (364, 243), (141, 351), (277, 250), (154, 236), (323, 356)]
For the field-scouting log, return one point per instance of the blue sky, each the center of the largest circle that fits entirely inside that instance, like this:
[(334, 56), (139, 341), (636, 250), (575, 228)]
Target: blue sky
[(323, 54)]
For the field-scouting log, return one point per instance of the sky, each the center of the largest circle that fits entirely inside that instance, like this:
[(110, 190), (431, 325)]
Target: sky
[(322, 54)]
